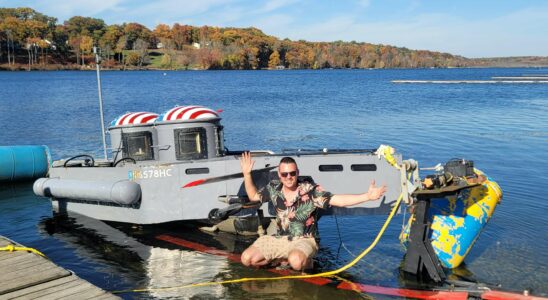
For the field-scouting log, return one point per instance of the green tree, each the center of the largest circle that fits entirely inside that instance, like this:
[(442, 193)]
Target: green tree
[(135, 31), (110, 39), (95, 28)]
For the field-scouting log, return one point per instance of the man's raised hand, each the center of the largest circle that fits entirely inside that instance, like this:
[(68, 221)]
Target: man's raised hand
[(246, 163)]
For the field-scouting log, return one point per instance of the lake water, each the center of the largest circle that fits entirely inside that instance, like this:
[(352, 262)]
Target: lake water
[(503, 128)]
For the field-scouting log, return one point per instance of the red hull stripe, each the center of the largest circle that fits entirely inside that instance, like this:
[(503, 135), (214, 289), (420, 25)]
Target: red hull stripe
[(496, 295), (194, 183), (417, 294), (198, 247)]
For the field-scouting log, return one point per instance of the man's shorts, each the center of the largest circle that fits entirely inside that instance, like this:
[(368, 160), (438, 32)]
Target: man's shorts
[(278, 247)]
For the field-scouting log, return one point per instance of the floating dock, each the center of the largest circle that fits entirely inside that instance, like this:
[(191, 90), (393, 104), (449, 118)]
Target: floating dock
[(470, 81), (497, 79), (28, 275)]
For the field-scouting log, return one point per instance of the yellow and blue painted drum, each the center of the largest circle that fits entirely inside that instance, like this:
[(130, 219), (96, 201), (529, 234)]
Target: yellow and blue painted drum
[(457, 221)]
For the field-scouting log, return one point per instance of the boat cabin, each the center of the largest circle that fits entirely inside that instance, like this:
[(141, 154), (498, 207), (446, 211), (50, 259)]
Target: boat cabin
[(179, 134)]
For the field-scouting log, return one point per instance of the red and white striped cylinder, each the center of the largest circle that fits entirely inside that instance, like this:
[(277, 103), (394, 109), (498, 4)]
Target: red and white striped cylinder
[(188, 113), (134, 119)]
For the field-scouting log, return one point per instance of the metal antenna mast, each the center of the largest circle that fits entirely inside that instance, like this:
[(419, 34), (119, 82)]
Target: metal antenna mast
[(97, 61)]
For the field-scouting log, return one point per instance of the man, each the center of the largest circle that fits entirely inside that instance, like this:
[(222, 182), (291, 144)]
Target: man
[(296, 203)]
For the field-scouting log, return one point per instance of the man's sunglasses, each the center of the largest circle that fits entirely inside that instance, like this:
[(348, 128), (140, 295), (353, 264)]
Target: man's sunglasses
[(292, 173)]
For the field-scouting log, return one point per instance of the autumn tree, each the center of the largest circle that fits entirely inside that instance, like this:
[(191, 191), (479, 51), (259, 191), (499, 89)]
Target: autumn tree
[(162, 33), (86, 46), (135, 31), (26, 31), (274, 60), (121, 44), (181, 35), (110, 39), (13, 29)]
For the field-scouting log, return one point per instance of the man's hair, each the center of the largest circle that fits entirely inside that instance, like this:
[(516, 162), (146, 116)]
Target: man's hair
[(287, 160)]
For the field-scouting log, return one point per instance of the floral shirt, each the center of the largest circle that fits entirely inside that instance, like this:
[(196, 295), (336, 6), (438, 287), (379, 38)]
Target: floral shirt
[(296, 217)]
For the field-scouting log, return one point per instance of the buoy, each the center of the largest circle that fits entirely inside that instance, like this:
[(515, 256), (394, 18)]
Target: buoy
[(457, 221)]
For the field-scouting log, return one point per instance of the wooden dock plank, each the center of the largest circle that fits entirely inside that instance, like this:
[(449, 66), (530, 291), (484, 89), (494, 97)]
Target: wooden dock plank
[(59, 292), (25, 275), (9, 255), (22, 263), (12, 257), (16, 259), (22, 274), (4, 242), (28, 279), (41, 289), (75, 291)]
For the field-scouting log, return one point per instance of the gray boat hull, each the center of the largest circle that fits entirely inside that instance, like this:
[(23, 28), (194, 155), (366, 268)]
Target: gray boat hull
[(164, 197)]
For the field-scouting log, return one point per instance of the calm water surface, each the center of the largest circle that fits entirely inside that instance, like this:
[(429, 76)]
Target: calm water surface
[(502, 127)]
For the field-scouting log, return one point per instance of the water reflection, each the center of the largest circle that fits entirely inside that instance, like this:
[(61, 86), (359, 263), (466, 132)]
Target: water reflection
[(147, 266), (164, 258)]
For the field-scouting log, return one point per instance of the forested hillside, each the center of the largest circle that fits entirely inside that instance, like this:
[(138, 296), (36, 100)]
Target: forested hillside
[(32, 40)]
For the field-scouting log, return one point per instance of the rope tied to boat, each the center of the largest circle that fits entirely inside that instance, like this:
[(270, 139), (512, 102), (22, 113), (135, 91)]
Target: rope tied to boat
[(303, 276), (11, 248), (388, 153)]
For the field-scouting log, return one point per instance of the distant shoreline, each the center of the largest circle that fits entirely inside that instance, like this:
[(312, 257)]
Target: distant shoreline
[(24, 68)]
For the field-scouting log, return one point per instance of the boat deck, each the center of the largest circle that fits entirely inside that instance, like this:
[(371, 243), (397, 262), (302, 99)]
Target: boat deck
[(26, 275)]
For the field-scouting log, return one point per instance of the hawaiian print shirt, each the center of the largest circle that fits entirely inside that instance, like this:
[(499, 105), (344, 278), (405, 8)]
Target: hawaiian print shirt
[(296, 217)]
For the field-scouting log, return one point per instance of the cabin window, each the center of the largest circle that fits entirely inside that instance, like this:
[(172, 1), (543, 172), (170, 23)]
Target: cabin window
[(137, 145), (220, 140), (331, 168), (190, 143), (193, 171), (364, 167)]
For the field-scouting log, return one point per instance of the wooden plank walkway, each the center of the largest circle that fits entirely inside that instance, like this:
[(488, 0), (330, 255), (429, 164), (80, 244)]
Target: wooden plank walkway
[(25, 275)]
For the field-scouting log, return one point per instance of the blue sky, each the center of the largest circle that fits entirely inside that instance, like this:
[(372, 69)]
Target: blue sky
[(488, 28)]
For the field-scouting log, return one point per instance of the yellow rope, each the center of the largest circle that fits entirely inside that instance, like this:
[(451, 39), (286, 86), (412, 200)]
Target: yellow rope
[(12, 248), (304, 276)]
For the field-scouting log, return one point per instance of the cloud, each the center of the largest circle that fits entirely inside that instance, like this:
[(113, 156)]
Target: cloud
[(274, 5), (519, 33), (64, 10), (364, 3), (271, 24)]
